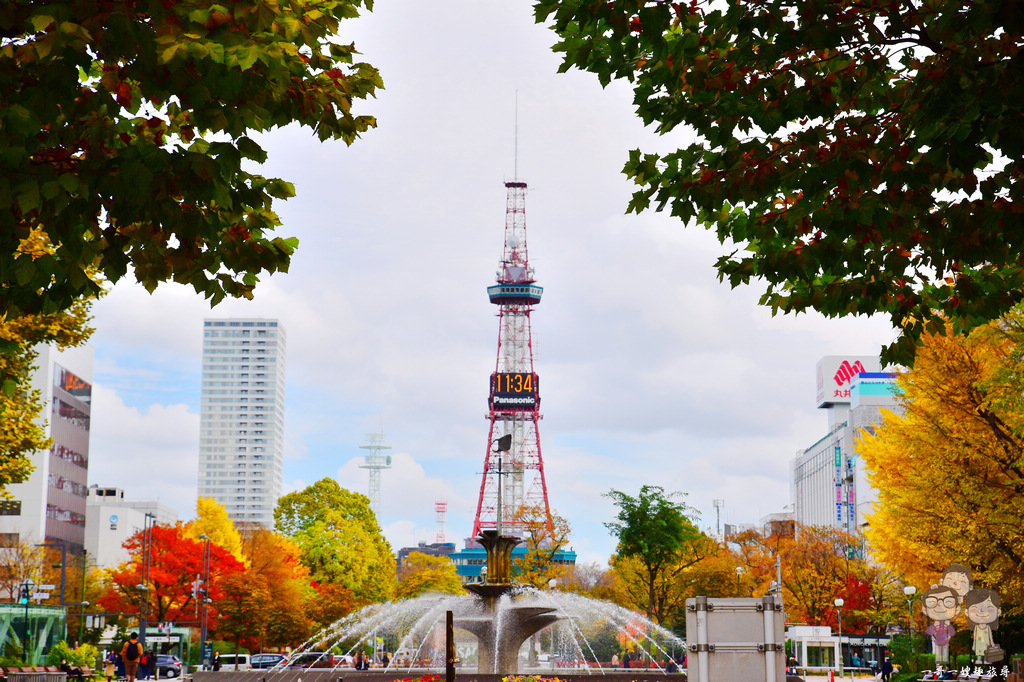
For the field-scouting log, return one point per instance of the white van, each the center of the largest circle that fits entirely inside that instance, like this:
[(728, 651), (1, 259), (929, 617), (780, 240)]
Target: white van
[(235, 662)]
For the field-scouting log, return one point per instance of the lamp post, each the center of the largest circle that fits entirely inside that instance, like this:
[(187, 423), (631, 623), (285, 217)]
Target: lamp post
[(205, 593), (63, 547), (26, 595), (81, 615), (147, 550), (839, 607), (552, 584), (910, 591)]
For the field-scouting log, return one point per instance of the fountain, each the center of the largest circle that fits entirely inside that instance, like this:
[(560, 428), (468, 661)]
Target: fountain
[(501, 616), (501, 632)]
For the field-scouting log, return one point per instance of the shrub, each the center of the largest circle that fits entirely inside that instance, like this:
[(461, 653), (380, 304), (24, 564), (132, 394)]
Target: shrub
[(85, 655)]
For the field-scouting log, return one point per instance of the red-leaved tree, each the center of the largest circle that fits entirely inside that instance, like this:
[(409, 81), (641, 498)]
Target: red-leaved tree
[(176, 561)]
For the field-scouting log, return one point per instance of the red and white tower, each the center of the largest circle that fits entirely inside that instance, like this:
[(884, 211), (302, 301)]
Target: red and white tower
[(514, 403), (440, 511)]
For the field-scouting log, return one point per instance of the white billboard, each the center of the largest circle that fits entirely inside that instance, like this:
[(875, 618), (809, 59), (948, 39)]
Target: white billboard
[(835, 372)]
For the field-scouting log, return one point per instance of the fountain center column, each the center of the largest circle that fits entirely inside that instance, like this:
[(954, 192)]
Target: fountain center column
[(503, 629)]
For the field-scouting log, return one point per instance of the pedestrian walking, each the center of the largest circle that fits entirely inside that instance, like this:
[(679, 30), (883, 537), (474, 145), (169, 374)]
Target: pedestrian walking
[(131, 652), (886, 670)]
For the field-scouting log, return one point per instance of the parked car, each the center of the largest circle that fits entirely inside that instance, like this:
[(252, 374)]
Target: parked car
[(313, 659), (168, 665), (234, 662), (260, 661)]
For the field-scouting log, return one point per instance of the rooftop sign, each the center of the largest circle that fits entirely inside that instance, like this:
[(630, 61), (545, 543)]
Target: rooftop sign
[(835, 373)]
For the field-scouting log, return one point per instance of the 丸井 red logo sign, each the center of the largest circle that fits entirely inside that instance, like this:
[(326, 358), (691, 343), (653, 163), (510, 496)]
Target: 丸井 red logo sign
[(848, 371)]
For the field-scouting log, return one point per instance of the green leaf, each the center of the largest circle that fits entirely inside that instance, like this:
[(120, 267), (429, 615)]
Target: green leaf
[(28, 197), (41, 22)]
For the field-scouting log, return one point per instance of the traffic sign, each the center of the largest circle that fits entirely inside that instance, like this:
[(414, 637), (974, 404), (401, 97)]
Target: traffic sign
[(41, 595), (47, 587)]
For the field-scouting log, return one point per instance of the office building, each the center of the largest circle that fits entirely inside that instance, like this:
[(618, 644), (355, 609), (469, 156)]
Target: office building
[(829, 486), (50, 506), (112, 519), (241, 440)]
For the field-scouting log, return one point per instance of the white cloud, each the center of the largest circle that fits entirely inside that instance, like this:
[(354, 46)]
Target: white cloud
[(151, 454)]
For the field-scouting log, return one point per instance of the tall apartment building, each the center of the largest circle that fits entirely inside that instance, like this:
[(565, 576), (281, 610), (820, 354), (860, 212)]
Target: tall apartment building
[(51, 505), (241, 441), (829, 485)]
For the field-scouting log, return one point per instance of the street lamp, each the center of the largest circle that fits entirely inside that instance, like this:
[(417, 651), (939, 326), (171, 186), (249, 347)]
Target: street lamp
[(205, 595), (148, 521), (839, 607), (910, 591)]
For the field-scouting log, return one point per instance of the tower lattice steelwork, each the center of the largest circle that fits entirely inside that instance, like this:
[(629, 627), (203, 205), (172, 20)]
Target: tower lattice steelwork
[(375, 461), (514, 476)]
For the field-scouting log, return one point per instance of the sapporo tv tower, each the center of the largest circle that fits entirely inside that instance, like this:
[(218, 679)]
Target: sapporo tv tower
[(513, 475)]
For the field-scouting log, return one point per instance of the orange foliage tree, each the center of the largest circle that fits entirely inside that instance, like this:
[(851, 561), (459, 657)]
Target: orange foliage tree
[(176, 561), (546, 536), (950, 470), (329, 602), (819, 565), (266, 604)]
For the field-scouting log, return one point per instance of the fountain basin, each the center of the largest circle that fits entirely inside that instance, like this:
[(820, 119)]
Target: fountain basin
[(350, 675)]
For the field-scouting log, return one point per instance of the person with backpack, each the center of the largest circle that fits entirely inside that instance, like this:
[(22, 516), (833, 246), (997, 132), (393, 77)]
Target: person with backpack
[(131, 652)]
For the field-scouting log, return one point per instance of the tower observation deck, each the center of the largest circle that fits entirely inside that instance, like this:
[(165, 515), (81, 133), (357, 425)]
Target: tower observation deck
[(514, 401)]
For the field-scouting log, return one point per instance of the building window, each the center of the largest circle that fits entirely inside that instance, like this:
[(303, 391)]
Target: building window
[(10, 508)]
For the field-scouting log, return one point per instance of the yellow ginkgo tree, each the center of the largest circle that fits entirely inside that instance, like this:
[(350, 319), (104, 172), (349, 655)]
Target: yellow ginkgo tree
[(950, 470), (212, 520)]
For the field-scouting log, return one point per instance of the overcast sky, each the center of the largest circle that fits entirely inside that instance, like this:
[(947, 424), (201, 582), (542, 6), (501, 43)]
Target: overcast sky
[(652, 371)]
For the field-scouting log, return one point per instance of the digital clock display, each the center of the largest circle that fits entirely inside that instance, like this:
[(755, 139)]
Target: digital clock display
[(514, 391)]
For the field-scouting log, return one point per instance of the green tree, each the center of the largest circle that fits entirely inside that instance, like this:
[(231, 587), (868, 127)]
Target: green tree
[(421, 573), (125, 127), (657, 538), (858, 157), (339, 539)]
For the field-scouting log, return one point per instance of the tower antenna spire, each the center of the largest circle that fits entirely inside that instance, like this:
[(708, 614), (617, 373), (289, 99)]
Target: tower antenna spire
[(515, 144)]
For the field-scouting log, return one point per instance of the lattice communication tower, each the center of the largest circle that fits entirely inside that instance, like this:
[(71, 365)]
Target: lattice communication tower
[(514, 403), (375, 461)]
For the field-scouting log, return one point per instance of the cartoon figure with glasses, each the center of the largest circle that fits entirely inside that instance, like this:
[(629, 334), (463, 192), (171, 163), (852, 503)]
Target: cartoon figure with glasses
[(941, 604)]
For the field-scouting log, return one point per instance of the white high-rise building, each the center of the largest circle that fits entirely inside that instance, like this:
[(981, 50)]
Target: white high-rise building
[(241, 439), (50, 505)]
